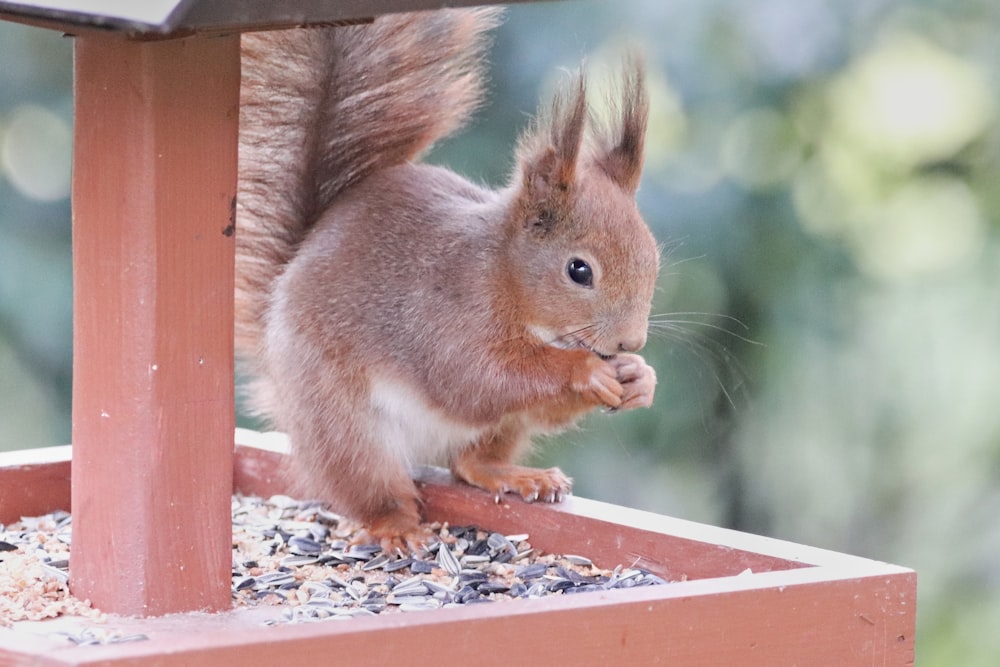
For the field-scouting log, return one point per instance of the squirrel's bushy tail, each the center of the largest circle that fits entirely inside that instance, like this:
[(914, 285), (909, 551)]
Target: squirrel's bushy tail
[(322, 108)]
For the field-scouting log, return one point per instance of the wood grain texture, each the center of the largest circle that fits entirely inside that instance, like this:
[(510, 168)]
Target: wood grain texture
[(153, 248)]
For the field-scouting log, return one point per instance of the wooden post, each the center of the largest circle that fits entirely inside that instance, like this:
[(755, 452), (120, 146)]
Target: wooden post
[(154, 184)]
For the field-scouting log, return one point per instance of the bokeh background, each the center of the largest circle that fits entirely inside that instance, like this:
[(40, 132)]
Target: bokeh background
[(825, 178)]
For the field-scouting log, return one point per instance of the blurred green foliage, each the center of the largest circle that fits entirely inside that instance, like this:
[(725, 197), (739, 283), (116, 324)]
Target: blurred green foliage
[(824, 177)]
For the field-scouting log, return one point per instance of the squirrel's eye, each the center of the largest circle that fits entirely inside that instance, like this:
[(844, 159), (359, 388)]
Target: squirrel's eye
[(580, 272)]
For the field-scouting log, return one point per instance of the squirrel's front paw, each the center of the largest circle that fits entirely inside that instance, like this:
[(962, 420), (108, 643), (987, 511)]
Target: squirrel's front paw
[(549, 485), (637, 378), (597, 381)]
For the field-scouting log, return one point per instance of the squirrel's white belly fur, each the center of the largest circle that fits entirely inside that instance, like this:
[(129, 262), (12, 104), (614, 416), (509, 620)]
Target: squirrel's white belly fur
[(411, 429)]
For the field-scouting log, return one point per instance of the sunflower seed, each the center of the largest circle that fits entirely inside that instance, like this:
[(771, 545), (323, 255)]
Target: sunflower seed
[(375, 563), (410, 587), (396, 565), (421, 567), (518, 589), (480, 547), (532, 571), (436, 587), (447, 561), (535, 591), (62, 576), (584, 588), (244, 583), (298, 554), (582, 561), (362, 551), (373, 606), (319, 603), (304, 546), (317, 591), (472, 577), (296, 560), (492, 587), (469, 560), (420, 604), (559, 584), (466, 594), (521, 555), (357, 590), (274, 579)]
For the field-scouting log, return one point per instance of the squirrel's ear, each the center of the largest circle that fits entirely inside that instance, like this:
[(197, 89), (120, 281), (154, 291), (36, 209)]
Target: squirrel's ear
[(548, 154), (622, 160)]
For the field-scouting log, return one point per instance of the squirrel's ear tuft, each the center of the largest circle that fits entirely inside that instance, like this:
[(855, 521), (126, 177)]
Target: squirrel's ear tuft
[(548, 153), (622, 155)]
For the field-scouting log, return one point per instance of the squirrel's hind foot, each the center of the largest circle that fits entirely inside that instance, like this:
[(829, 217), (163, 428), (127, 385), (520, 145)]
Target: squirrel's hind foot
[(396, 530), (413, 541)]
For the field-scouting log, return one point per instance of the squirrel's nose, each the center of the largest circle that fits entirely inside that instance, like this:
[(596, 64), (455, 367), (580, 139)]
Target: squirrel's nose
[(632, 343)]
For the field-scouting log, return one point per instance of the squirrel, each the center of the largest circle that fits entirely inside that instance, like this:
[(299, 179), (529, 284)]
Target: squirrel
[(392, 313)]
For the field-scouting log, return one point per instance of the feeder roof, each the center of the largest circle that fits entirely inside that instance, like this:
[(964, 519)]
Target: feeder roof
[(152, 19)]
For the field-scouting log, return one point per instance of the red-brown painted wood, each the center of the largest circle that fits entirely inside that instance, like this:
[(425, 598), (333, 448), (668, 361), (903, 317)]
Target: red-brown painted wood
[(34, 482), (846, 623), (258, 466), (581, 526), (607, 534), (818, 608), (154, 181)]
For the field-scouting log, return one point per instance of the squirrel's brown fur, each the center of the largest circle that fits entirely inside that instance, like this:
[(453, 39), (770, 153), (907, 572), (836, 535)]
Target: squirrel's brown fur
[(393, 313)]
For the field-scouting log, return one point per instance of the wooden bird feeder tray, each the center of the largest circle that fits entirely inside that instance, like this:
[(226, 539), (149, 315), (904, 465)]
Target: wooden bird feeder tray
[(153, 463), (736, 599)]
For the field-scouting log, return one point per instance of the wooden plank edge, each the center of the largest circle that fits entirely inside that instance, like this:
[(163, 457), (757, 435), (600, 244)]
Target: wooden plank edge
[(749, 620), (34, 482), (259, 457)]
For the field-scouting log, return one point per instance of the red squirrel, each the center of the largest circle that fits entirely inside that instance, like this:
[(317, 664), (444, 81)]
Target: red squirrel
[(393, 313)]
